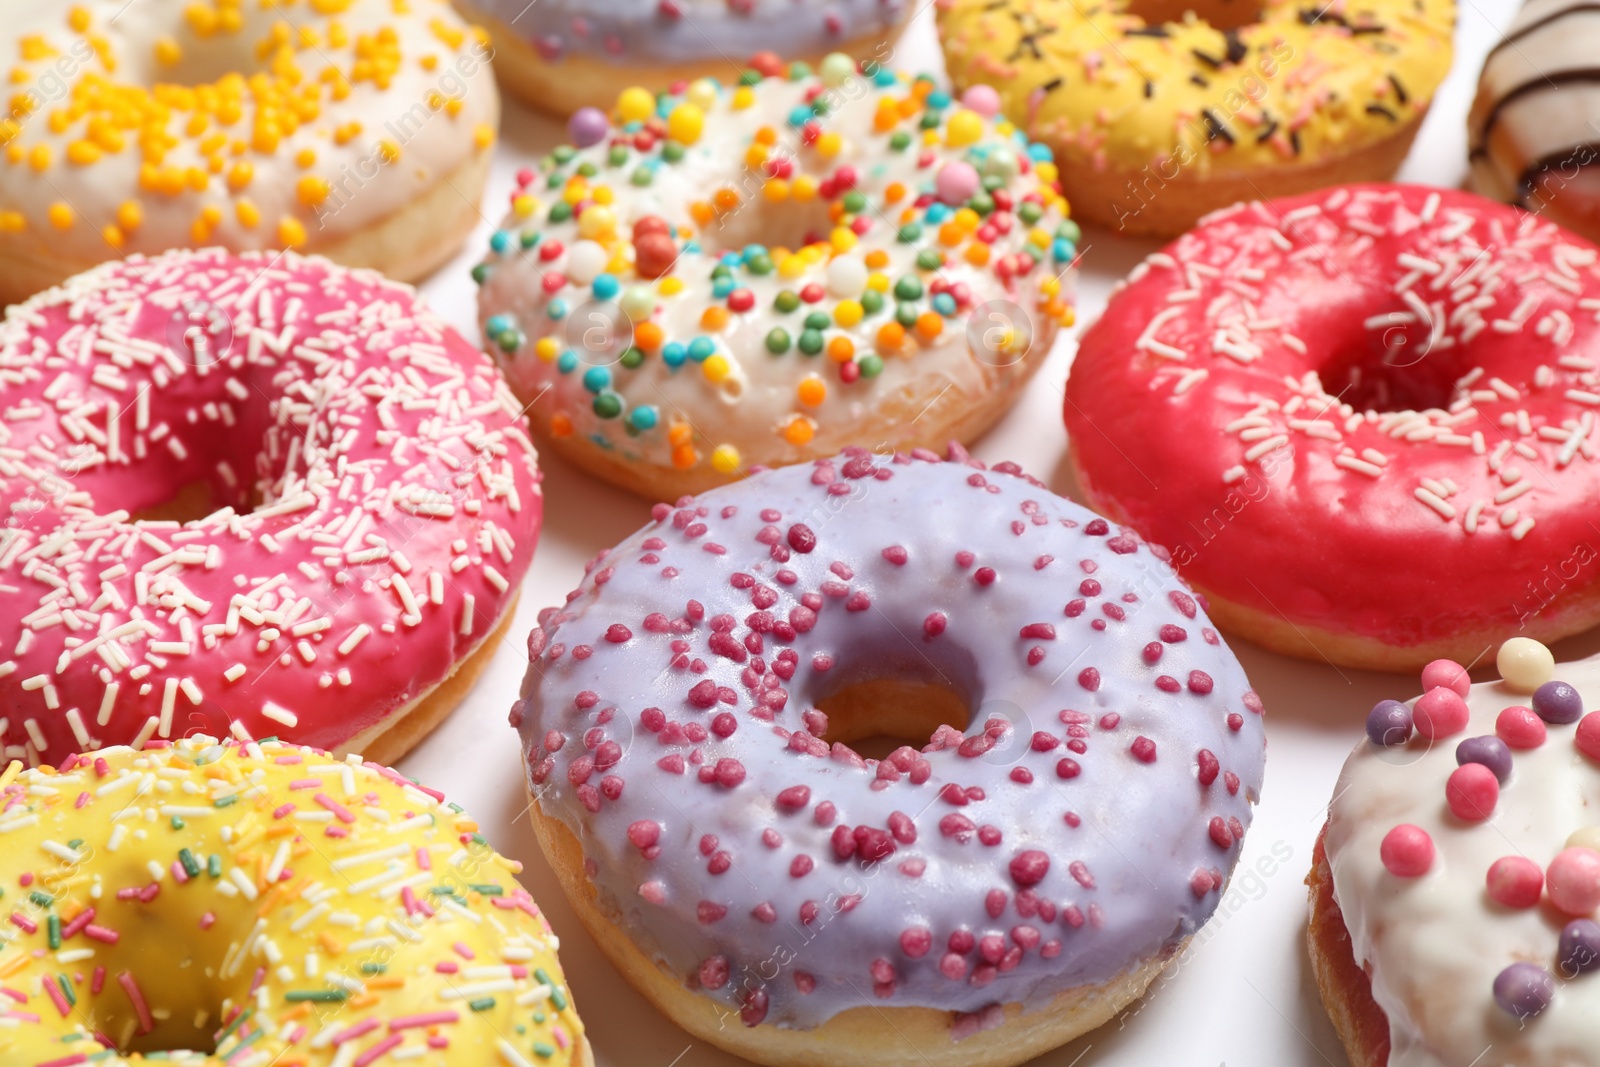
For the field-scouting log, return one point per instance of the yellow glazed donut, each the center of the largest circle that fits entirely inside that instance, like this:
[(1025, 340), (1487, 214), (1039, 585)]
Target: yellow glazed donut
[(1159, 116), (358, 129), (270, 905)]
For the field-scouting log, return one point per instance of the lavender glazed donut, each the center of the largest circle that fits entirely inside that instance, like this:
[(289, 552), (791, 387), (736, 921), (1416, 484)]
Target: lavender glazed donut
[(688, 719), (560, 55)]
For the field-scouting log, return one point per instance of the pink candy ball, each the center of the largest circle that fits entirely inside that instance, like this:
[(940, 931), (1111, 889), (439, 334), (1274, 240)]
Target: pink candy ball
[(1574, 880), (957, 182), (1407, 851), (1588, 736), (982, 99), (1519, 727), (1447, 673), (1515, 882), (1440, 712), (1472, 792)]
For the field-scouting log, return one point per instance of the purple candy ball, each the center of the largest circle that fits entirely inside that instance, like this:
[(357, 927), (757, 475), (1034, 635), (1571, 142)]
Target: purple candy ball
[(1557, 702), (1488, 750), (1389, 723), (1579, 948), (1524, 989), (588, 126)]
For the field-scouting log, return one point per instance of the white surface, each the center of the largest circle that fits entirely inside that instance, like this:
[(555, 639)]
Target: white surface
[(1242, 995)]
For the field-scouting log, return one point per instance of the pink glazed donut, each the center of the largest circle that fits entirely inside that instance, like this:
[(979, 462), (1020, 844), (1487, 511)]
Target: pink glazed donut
[(1363, 420), (361, 504), (688, 719)]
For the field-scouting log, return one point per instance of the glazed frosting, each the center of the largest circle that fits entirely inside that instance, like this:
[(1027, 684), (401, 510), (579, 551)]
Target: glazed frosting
[(1396, 373), (270, 900), (230, 122), (1111, 89), (1533, 121), (377, 503), (1433, 945), (742, 275), (633, 32), (1081, 826)]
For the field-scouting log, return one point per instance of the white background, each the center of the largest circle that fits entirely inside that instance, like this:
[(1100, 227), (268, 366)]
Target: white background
[(1242, 995)]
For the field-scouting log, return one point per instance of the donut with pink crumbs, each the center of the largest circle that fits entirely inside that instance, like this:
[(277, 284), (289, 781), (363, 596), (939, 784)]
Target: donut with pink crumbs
[(1086, 753), (260, 494), (1455, 886)]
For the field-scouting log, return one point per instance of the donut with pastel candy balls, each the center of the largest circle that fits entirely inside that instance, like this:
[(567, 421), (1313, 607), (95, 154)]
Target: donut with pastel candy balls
[(688, 720), (728, 276), (1456, 885)]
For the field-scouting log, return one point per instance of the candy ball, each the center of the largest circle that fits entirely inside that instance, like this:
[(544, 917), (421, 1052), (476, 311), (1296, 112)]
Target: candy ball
[(637, 302), (1389, 723), (1573, 878), (588, 126), (1578, 950), (1472, 792), (1588, 736), (982, 99), (1001, 163), (1584, 837), (636, 104), (654, 254), (957, 182), (1515, 882), (1490, 751), (585, 262), (686, 123), (702, 93), (836, 69), (597, 222), (1519, 727), (1448, 673), (1407, 851), (847, 277), (1525, 664), (1440, 712), (1558, 703), (1524, 989)]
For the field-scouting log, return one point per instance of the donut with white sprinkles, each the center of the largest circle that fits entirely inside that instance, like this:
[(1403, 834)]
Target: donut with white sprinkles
[(1323, 404), (688, 719), (256, 495)]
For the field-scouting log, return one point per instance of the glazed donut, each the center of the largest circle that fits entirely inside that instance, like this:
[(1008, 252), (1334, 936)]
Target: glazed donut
[(561, 55), (1455, 885), (1157, 117), (260, 495), (1406, 378), (688, 720), (186, 899), (1533, 124), (349, 129), (771, 272)]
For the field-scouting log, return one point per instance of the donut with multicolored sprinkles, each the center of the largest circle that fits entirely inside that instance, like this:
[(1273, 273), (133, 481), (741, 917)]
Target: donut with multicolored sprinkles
[(270, 903), (1363, 420), (1160, 111), (690, 720), (752, 275), (256, 495)]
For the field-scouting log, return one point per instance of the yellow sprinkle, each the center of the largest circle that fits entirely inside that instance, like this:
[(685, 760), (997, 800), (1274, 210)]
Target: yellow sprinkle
[(388, 151), (12, 222), (291, 233), (715, 367), (312, 190), (776, 191), (686, 123), (635, 104), (671, 285), (965, 128), (848, 313), (829, 144), (725, 459), (78, 20), (129, 214), (248, 214), (525, 206), (14, 768), (83, 153), (305, 158), (483, 136), (842, 239), (39, 158), (168, 52), (743, 98), (804, 187), (547, 348), (61, 216)]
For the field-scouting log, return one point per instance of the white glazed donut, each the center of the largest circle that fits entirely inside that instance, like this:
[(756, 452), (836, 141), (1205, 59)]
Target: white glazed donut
[(560, 55), (764, 274), (341, 128)]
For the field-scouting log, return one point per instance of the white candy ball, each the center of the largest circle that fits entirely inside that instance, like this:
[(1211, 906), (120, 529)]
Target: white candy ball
[(702, 93), (847, 277), (836, 69), (1001, 163), (586, 260), (1525, 664), (637, 302)]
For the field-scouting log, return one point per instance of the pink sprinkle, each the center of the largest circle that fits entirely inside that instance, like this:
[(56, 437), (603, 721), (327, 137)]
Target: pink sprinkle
[(1573, 879), (436, 1018), (58, 998), (79, 921), (1143, 749), (424, 860), (1472, 791), (463, 951), (353, 1032), (340, 812), (136, 997), (306, 783), (18, 995), (98, 981), (208, 920), (1515, 882), (1407, 851), (1440, 712), (179, 875), (376, 1051), (27, 925), (281, 810), (1520, 728), (83, 798), (1588, 736), (1447, 673), (447, 967)]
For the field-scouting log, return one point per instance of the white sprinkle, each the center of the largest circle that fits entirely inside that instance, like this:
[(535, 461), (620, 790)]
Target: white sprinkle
[(280, 715), (1445, 509)]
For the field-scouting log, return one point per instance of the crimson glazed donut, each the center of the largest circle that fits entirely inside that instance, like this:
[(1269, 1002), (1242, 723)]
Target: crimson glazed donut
[(688, 719), (1361, 420), (361, 502)]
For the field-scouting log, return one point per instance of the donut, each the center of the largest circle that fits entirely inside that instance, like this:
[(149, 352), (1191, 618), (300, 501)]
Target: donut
[(762, 274), (563, 55), (1398, 384), (1158, 117), (182, 897), (1454, 886), (1533, 124), (1078, 755), (356, 129), (254, 495)]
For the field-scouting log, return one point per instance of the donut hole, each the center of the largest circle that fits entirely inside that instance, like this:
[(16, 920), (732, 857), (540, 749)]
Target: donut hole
[(757, 221), (179, 56), (877, 716), (1220, 14), (1392, 370)]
